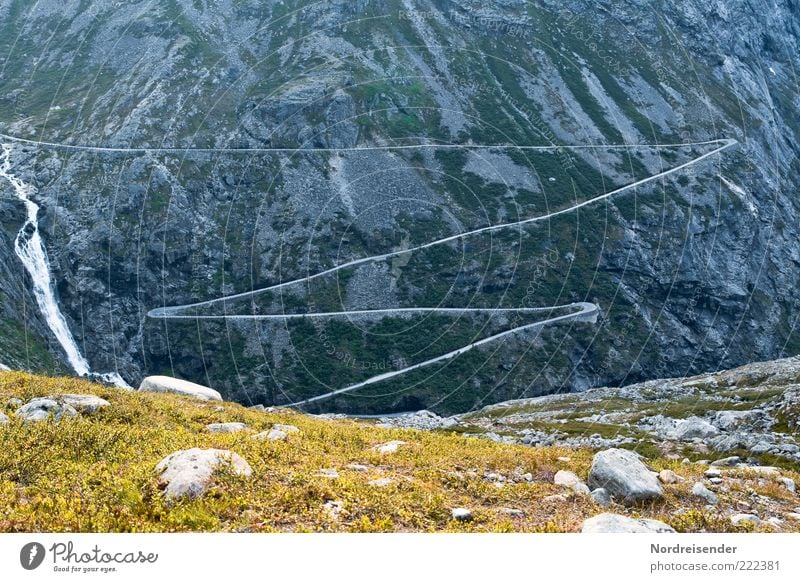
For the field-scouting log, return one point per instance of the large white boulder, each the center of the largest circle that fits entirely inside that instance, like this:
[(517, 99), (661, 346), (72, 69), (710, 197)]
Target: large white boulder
[(613, 523), (190, 472), (624, 477), (176, 386)]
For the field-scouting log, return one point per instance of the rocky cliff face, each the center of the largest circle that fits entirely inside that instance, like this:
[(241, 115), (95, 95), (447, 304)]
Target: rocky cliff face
[(693, 272)]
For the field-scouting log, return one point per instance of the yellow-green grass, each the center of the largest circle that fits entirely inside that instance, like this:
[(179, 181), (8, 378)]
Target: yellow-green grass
[(96, 473)]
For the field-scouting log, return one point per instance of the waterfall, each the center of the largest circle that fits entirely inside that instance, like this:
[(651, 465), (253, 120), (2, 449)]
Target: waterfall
[(30, 249)]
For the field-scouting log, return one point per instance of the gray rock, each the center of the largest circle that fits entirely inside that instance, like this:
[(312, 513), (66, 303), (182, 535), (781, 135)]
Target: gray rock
[(601, 497), (3, 418), (581, 488), (613, 523), (84, 403), (177, 386), (695, 428), (512, 513), (731, 420), (383, 482), (728, 442), (287, 428), (328, 473), (190, 472), (761, 447), (389, 448), (566, 478), (703, 492), (745, 518), (226, 427), (40, 409), (357, 467), (271, 435), (789, 484), (624, 476), (667, 476), (727, 462), (461, 514), (14, 403)]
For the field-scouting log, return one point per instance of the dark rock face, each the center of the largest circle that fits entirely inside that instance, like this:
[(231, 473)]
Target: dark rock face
[(693, 272)]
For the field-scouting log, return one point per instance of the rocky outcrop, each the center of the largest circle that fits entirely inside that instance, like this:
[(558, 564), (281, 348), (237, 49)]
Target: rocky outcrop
[(176, 386)]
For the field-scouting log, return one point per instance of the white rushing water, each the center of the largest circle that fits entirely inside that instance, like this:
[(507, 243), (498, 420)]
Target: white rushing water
[(31, 251)]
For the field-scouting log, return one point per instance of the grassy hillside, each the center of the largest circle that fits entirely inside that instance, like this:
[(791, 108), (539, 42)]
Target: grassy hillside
[(96, 473)]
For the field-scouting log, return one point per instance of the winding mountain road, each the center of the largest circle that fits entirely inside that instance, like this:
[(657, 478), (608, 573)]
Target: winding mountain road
[(580, 311)]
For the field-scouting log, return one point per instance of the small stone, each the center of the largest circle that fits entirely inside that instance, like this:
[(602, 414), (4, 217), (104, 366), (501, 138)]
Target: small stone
[(388, 448), (333, 508), (793, 515), (745, 518), (461, 514), (84, 403), (527, 477), (219, 409), (601, 497), (668, 476), (357, 467), (14, 403), (189, 472), (789, 484), (3, 418), (512, 513), (566, 478), (226, 427), (581, 488), (711, 473), (700, 490), (613, 523), (40, 409), (727, 462), (558, 498), (287, 428), (328, 473), (685, 461), (384, 482), (564, 459), (715, 480), (180, 387), (775, 522), (271, 435)]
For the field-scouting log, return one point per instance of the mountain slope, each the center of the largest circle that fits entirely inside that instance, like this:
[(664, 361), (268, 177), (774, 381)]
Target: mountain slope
[(693, 272)]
